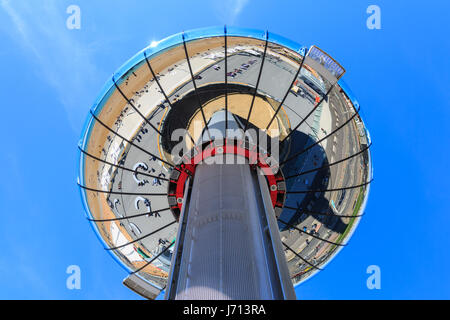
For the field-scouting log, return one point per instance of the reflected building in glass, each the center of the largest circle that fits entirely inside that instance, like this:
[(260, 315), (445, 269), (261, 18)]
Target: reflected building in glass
[(287, 179)]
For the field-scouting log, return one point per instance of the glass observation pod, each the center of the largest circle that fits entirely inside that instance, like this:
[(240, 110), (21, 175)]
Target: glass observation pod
[(171, 99)]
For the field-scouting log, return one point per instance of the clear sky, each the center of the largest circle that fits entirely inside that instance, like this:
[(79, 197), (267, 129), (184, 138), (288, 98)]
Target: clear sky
[(50, 77)]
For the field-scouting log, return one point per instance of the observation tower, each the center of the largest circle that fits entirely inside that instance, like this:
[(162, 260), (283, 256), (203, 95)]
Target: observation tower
[(224, 163)]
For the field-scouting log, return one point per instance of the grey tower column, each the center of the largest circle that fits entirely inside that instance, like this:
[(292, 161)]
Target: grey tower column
[(228, 246)]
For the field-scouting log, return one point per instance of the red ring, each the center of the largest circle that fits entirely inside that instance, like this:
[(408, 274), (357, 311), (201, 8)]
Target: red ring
[(186, 169)]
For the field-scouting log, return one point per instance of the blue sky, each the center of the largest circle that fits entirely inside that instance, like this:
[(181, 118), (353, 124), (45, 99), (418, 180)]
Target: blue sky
[(51, 76)]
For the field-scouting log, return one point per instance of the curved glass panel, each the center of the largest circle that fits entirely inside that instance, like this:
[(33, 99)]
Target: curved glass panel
[(129, 144)]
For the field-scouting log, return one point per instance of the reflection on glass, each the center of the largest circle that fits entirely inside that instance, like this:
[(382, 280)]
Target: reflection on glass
[(179, 83)]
